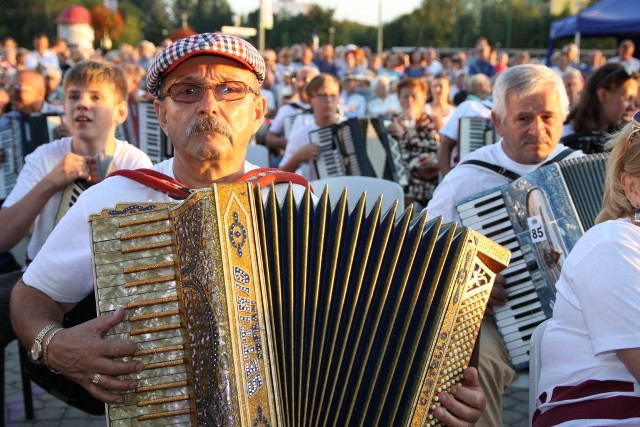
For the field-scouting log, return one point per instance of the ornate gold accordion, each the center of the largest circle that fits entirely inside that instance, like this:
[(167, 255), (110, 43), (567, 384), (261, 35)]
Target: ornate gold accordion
[(289, 313)]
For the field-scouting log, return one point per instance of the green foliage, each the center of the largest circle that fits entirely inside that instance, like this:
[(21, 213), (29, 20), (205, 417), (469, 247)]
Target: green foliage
[(440, 23), (209, 15), (133, 17)]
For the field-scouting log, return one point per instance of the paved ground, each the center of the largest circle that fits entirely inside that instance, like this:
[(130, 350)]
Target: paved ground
[(52, 412)]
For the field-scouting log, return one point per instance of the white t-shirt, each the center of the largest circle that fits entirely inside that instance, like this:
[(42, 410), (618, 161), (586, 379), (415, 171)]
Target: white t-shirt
[(286, 110), (39, 163), (63, 269), (389, 105), (469, 108), (298, 139), (466, 180), (597, 310)]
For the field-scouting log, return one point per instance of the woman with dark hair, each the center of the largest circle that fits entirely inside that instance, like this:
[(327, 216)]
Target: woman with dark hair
[(606, 102)]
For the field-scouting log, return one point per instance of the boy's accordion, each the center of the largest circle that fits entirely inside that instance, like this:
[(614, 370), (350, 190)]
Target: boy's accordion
[(289, 313)]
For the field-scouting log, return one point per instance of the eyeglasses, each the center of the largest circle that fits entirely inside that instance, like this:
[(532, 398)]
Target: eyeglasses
[(224, 91), (325, 96)]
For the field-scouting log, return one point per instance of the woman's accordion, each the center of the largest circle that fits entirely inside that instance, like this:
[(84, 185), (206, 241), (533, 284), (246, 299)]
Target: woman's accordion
[(289, 313)]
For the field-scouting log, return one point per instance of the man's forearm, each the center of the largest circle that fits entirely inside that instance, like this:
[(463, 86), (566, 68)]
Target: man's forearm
[(17, 220), (31, 310)]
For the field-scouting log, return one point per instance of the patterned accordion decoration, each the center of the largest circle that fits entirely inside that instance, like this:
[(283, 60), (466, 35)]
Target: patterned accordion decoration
[(289, 313)]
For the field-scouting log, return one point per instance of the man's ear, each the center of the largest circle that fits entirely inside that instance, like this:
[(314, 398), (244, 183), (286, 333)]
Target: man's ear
[(161, 112), (260, 109), (497, 123)]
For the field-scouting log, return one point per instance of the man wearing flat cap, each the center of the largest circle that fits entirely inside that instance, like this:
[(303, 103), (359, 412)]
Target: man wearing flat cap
[(207, 90)]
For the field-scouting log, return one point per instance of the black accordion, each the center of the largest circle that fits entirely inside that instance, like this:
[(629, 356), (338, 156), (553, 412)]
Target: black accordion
[(539, 217), (395, 167), (25, 135), (289, 313), (343, 150), (473, 133), (153, 141)]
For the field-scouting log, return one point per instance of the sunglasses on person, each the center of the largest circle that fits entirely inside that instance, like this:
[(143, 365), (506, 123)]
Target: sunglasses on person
[(189, 93)]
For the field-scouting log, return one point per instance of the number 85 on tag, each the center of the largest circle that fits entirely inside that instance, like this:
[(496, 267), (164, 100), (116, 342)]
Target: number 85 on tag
[(536, 229)]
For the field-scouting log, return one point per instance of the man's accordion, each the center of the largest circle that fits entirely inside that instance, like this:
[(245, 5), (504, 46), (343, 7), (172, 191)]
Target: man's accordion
[(289, 313)]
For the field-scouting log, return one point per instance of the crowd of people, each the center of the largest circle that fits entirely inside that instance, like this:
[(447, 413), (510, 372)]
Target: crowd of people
[(214, 98)]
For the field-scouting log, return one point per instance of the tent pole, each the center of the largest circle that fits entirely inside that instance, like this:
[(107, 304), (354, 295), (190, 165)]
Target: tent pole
[(576, 39)]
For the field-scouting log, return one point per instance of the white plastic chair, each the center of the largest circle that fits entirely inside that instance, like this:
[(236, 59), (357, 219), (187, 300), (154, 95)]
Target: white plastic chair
[(258, 155), (535, 366), (356, 185)]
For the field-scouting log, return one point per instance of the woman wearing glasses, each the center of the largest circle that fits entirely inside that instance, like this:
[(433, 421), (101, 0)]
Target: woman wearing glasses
[(606, 102), (590, 350)]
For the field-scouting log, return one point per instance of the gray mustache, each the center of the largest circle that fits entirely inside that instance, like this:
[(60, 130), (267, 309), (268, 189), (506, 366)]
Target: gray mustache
[(208, 125)]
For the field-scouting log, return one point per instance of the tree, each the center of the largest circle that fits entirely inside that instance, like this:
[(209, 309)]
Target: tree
[(204, 15)]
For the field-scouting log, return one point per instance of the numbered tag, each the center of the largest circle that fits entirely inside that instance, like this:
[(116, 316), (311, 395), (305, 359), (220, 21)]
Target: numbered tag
[(536, 229)]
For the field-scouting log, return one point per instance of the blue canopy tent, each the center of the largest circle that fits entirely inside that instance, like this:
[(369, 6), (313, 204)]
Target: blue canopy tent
[(616, 18)]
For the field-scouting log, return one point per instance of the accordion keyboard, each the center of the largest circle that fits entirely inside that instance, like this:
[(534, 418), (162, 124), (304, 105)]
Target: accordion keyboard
[(330, 161), (8, 170), (523, 311), (475, 132)]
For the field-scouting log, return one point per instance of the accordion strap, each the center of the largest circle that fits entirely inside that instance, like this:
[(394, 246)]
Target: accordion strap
[(177, 190), (511, 175)]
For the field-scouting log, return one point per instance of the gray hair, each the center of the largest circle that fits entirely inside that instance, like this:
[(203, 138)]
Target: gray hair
[(524, 80)]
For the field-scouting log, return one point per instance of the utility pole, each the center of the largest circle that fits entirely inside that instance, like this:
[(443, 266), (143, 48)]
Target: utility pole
[(380, 28)]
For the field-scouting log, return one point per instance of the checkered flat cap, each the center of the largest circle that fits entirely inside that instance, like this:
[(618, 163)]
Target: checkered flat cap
[(204, 44)]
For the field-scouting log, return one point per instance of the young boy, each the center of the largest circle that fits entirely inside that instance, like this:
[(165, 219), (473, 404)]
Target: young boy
[(95, 103)]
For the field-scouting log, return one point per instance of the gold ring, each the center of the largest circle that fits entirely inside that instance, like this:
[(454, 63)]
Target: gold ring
[(96, 378)]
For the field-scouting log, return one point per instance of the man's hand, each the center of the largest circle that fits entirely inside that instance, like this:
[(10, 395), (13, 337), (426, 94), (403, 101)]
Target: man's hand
[(498, 295), (308, 152), (464, 405), (80, 353)]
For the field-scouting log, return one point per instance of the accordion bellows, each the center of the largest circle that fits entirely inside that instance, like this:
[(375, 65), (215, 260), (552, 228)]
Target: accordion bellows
[(285, 313)]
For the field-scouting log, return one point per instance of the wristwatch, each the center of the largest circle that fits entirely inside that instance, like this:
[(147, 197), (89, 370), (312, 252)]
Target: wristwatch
[(36, 347)]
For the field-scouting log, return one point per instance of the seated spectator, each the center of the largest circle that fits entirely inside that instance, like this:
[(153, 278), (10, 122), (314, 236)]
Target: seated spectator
[(324, 95), (606, 102), (352, 100), (416, 67), (418, 138), (590, 349), (383, 102), (298, 105), (573, 83), (439, 107), (477, 104), (625, 57)]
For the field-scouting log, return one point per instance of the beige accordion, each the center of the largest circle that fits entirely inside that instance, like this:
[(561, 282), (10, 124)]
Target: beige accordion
[(289, 313)]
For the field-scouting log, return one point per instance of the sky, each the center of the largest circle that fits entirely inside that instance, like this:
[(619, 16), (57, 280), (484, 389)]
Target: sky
[(363, 11)]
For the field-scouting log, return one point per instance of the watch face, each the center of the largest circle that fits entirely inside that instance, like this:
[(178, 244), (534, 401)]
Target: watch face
[(35, 351)]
